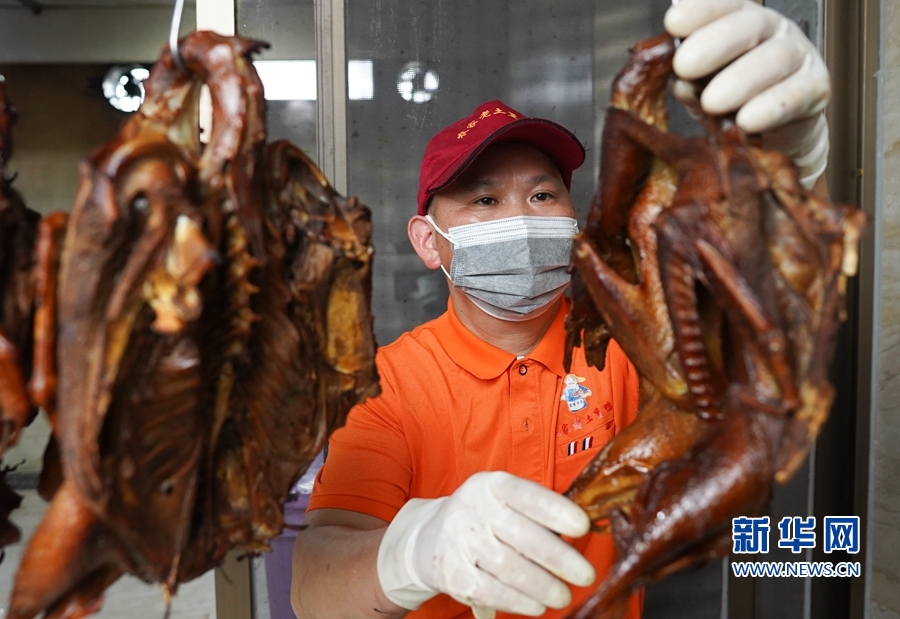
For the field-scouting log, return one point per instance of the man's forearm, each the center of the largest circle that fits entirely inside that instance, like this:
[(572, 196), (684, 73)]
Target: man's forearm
[(335, 575)]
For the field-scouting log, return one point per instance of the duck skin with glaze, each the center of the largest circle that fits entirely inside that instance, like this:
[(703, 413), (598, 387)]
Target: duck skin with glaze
[(213, 329), (752, 272), (624, 274)]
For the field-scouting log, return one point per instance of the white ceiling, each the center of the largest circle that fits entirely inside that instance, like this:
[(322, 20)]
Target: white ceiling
[(104, 31), (7, 4)]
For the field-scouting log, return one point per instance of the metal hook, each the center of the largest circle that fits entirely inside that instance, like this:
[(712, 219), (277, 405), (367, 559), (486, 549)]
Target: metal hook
[(173, 34)]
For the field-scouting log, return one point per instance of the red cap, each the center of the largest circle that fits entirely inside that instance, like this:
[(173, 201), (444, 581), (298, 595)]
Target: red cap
[(454, 148)]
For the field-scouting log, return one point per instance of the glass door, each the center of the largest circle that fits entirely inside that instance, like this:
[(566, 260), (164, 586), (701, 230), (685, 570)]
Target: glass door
[(414, 66), (287, 68)]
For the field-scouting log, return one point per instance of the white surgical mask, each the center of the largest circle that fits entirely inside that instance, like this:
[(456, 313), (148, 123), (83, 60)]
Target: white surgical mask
[(511, 267)]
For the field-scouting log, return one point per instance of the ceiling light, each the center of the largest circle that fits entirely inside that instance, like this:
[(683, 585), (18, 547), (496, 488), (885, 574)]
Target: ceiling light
[(417, 83), (123, 86)]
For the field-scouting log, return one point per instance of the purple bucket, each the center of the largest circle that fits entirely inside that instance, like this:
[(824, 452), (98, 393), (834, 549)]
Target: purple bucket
[(278, 561)]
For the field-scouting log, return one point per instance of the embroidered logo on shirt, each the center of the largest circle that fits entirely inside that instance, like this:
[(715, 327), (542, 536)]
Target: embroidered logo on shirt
[(573, 394)]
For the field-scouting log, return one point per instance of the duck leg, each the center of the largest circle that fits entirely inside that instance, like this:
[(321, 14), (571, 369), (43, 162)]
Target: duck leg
[(686, 505), (67, 548)]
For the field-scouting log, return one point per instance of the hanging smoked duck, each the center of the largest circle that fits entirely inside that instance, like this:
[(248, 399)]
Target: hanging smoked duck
[(213, 327), (724, 282), (18, 237)]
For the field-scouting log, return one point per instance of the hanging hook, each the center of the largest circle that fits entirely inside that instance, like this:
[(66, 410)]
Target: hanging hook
[(173, 34)]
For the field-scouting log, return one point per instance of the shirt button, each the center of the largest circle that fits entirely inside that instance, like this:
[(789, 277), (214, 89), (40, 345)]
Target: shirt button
[(523, 369)]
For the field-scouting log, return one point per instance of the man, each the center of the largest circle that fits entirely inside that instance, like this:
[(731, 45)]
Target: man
[(442, 493)]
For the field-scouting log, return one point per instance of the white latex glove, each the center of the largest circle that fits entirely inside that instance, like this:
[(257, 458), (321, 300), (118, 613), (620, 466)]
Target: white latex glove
[(768, 71), (488, 545)]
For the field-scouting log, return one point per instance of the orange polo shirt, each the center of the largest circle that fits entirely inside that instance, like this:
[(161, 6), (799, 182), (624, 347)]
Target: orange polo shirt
[(452, 405)]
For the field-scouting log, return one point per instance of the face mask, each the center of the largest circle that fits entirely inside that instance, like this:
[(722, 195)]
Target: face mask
[(511, 267)]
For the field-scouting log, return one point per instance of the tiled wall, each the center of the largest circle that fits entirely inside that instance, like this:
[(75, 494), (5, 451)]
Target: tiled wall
[(886, 559)]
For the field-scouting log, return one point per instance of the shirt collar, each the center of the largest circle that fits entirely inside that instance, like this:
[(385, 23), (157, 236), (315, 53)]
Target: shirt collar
[(487, 361)]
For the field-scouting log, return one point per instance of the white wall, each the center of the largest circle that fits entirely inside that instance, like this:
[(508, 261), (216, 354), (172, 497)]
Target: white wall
[(61, 120), (886, 553)]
